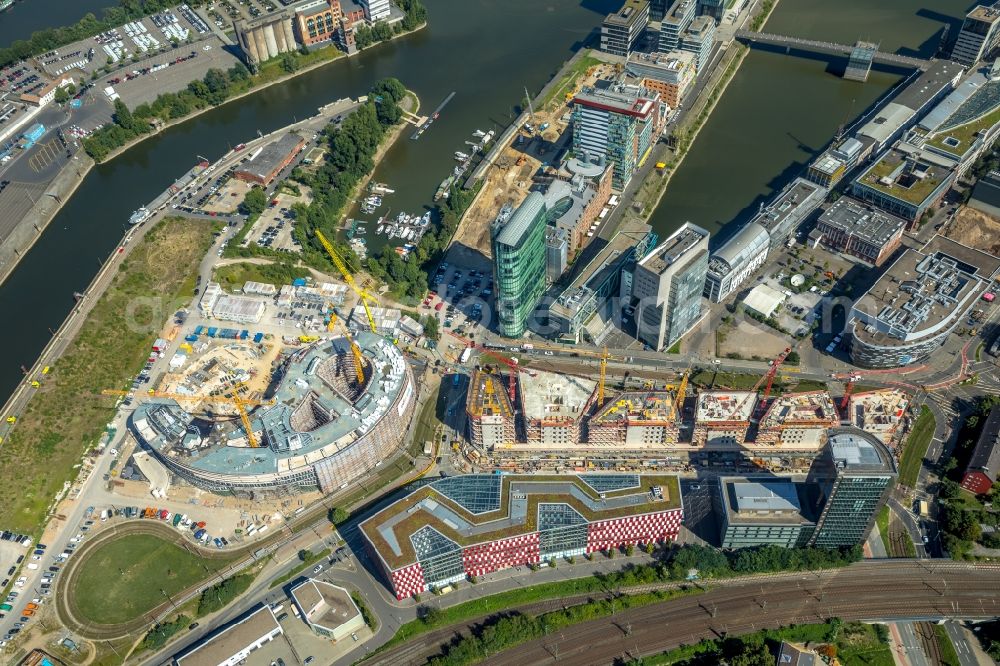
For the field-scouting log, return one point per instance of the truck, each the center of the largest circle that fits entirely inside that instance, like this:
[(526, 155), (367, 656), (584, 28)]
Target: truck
[(924, 509), (466, 353)]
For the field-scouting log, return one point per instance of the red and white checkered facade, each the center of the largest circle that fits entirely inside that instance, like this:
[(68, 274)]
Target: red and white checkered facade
[(408, 581), (524, 549), (631, 530), (492, 556)]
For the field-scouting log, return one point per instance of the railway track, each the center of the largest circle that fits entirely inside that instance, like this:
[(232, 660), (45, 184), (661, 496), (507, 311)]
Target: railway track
[(886, 590)]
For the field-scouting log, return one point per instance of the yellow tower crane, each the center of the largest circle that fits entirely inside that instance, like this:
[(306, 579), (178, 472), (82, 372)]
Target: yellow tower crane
[(359, 366), (363, 295), (604, 372), (678, 406), (235, 399)]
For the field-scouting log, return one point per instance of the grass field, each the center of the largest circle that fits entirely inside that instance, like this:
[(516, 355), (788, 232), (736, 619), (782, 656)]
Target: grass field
[(279, 273), (857, 645), (882, 520), (916, 447), (66, 416), (128, 576), (567, 83)]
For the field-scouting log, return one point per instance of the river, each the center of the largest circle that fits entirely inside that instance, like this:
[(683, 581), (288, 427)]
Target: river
[(780, 111), (777, 112), (27, 16)]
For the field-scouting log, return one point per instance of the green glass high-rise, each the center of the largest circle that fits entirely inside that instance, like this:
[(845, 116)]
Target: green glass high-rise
[(857, 474), (519, 264)]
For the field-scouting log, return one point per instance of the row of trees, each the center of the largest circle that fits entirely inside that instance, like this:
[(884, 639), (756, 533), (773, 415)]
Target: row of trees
[(351, 149), (222, 594), (214, 89), (961, 514), (48, 39), (163, 632)]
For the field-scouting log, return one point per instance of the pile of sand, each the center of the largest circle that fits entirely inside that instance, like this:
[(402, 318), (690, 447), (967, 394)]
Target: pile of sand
[(975, 229)]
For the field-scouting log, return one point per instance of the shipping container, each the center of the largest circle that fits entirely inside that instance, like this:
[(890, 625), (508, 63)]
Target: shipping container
[(244, 334), (257, 337), (198, 329), (191, 338), (212, 330)]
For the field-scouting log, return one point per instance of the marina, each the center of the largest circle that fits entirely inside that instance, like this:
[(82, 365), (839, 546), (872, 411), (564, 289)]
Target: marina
[(465, 162)]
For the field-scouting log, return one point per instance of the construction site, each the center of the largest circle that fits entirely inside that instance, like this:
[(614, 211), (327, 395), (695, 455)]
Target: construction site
[(531, 149), (879, 413), (523, 420)]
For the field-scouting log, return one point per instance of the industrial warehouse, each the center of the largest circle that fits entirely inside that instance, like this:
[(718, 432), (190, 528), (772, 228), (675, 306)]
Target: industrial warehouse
[(336, 414), (472, 525)]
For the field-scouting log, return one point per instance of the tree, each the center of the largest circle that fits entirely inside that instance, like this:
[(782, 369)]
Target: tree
[(123, 117), (289, 63), (390, 88), (254, 202), (305, 555), (337, 515), (62, 95)]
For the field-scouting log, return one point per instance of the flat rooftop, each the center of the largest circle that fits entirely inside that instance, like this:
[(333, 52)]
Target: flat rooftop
[(814, 408), (324, 604), (674, 249), (986, 13), (551, 395), (905, 176), (627, 100), (597, 270), (917, 296), (858, 219), (272, 156), (637, 406), (725, 406), (631, 11), (938, 75), (799, 196), (767, 500), (294, 434), (859, 452), (235, 637), (480, 508), (981, 264)]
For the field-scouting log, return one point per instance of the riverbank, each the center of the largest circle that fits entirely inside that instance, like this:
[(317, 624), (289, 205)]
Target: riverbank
[(253, 90), (653, 188)]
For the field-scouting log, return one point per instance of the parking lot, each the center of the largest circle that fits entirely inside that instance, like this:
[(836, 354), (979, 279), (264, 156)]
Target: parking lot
[(169, 71), (223, 13), (121, 46), (274, 227), (460, 297)]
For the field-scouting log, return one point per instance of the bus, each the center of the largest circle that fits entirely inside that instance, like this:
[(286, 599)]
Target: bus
[(466, 353)]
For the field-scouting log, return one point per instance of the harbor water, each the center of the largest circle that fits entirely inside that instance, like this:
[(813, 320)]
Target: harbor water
[(777, 113)]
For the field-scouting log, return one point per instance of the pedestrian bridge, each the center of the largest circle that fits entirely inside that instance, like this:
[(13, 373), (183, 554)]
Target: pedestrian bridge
[(831, 48)]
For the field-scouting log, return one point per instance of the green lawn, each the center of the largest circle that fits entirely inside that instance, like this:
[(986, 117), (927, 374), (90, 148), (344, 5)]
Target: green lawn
[(127, 576), (916, 447), (949, 657)]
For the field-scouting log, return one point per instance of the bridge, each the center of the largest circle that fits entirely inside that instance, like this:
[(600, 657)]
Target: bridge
[(831, 48)]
